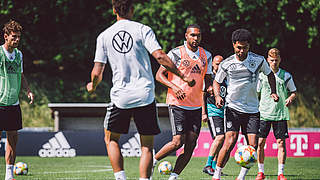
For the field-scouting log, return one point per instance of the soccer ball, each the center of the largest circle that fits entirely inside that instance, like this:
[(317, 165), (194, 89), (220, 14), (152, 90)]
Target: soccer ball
[(246, 156), (165, 168), (20, 168)]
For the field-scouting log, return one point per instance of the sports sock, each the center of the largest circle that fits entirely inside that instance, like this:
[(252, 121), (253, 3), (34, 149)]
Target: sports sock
[(9, 171), (209, 161), (213, 165), (217, 172), (243, 173), (280, 169), (121, 175), (261, 167), (143, 178), (173, 176)]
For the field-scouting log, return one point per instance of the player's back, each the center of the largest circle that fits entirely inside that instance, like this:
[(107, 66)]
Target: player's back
[(126, 44)]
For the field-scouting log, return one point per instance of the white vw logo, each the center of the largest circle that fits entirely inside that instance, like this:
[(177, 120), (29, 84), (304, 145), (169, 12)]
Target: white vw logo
[(122, 42)]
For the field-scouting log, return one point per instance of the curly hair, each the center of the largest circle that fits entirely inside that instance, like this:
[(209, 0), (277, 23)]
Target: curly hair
[(12, 26), (122, 7), (274, 53), (241, 35)]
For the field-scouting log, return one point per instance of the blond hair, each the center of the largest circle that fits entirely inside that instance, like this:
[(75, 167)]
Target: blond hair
[(274, 53)]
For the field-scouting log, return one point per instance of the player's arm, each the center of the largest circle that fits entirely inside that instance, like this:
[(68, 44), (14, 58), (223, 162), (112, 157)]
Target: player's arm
[(96, 76), (161, 76), (290, 99), (216, 91), (165, 61), (272, 84), (25, 85), (204, 107)]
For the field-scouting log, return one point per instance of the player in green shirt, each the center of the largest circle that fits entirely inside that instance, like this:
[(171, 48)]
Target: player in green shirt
[(274, 113), (11, 79)]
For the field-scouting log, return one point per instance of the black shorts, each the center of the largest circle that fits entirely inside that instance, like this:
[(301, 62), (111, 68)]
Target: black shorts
[(10, 118), (146, 119), (183, 120), (249, 122), (280, 129), (216, 126)]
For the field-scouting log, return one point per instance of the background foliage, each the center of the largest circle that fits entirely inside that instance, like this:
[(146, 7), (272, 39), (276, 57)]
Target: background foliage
[(58, 43)]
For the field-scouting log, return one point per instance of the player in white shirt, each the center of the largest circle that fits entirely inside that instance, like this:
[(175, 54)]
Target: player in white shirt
[(125, 46), (241, 106)]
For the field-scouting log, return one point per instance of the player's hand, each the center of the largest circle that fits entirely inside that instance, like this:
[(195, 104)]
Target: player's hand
[(191, 82), (219, 101), (30, 96), (180, 94), (210, 90), (204, 117), (90, 88), (275, 97), (288, 102)]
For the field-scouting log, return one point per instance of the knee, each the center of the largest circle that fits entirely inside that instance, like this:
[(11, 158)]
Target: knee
[(177, 143), (281, 144), (220, 139)]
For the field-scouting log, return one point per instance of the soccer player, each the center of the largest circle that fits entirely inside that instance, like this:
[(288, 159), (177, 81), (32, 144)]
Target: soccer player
[(242, 71), (215, 118), (11, 79), (185, 101), (275, 114), (125, 46)]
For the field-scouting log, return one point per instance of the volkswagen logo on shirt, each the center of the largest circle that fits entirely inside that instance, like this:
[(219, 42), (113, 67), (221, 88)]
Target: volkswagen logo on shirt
[(122, 42)]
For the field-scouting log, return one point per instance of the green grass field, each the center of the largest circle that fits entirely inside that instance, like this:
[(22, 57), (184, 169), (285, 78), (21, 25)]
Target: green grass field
[(98, 168)]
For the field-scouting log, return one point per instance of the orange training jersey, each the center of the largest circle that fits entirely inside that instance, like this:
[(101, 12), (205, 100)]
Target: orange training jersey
[(194, 68)]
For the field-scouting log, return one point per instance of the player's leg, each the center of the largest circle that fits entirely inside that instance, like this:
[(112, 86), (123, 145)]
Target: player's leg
[(11, 122), (218, 141), (280, 129), (177, 117), (231, 136), (146, 155), (208, 166), (249, 126), (146, 120), (264, 130), (116, 122)]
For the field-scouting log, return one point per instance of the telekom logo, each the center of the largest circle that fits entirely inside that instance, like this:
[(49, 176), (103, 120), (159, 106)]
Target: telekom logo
[(300, 145)]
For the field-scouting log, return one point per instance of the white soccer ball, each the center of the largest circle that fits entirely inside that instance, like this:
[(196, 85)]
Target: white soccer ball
[(165, 168), (20, 168), (246, 156)]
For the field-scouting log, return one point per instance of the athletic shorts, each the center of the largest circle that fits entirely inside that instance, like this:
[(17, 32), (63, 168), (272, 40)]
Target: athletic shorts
[(146, 119), (10, 118), (280, 129), (216, 126), (183, 120), (249, 122)]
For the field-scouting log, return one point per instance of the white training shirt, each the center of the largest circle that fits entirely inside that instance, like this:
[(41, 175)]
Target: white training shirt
[(175, 55), (242, 77), (287, 78), (11, 57), (125, 45)]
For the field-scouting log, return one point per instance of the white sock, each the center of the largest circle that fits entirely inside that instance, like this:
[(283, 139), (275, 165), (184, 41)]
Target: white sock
[(261, 167), (143, 178), (9, 171), (280, 169), (243, 173), (217, 172), (173, 176), (121, 175)]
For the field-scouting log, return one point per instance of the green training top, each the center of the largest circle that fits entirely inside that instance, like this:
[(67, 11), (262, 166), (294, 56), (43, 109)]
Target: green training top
[(270, 110), (10, 78)]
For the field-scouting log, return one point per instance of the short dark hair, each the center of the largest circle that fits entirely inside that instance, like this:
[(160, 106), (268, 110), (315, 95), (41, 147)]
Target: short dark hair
[(241, 35), (193, 26), (122, 7), (12, 26)]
